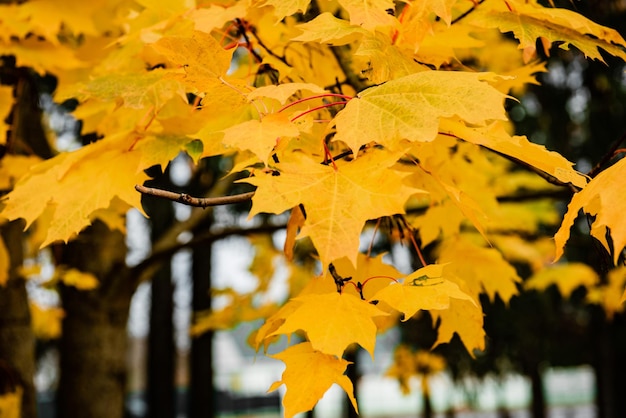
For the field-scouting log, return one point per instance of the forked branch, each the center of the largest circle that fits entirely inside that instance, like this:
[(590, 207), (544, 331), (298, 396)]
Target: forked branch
[(201, 202)]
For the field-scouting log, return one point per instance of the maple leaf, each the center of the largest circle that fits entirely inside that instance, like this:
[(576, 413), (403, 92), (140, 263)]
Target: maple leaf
[(329, 29), (47, 18), (73, 185), (134, 90), (72, 277), (13, 167), (282, 92), (465, 319), (201, 57), (46, 322), (369, 14), (496, 138), (482, 269), (382, 60), (216, 15), (262, 136), (410, 107), (567, 278), (308, 375), (333, 321), (283, 8), (337, 202), (603, 199), (608, 295), (424, 289), (530, 22)]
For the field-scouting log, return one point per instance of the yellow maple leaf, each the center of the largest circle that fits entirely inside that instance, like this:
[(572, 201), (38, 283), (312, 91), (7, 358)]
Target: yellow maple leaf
[(282, 92), (369, 14), (43, 56), (262, 136), (531, 22), (200, 57), (328, 29), (13, 167), (79, 279), (496, 138), (424, 289), (567, 277), (465, 319), (482, 269), (215, 15), (410, 107), (283, 8), (608, 295), (308, 375), (337, 202), (603, 199), (134, 90), (382, 60), (74, 185), (333, 321), (46, 322)]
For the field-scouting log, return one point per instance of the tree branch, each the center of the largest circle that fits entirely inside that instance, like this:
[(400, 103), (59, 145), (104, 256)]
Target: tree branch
[(201, 202), (164, 252)]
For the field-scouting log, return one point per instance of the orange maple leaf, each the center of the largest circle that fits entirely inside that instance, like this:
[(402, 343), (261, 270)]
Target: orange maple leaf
[(308, 375), (333, 321)]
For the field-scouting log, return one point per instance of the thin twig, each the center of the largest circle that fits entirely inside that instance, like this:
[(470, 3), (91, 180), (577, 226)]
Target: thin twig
[(607, 157), (461, 16), (201, 202)]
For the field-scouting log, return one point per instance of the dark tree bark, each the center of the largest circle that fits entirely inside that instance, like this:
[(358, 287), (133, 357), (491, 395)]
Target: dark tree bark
[(428, 405), (17, 342), (94, 341), (25, 137), (538, 402), (161, 347), (201, 388), (353, 374)]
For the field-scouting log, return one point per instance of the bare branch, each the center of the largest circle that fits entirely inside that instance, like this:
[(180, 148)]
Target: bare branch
[(201, 202)]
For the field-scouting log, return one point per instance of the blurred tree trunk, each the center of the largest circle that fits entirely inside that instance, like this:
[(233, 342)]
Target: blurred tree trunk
[(201, 389), (538, 401), (202, 394), (26, 137), (353, 374), (161, 347), (94, 341), (17, 342)]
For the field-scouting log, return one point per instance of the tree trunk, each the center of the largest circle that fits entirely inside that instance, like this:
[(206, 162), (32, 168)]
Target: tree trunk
[(353, 374), (201, 389), (428, 405), (17, 342), (538, 406), (94, 340), (605, 366), (161, 348)]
